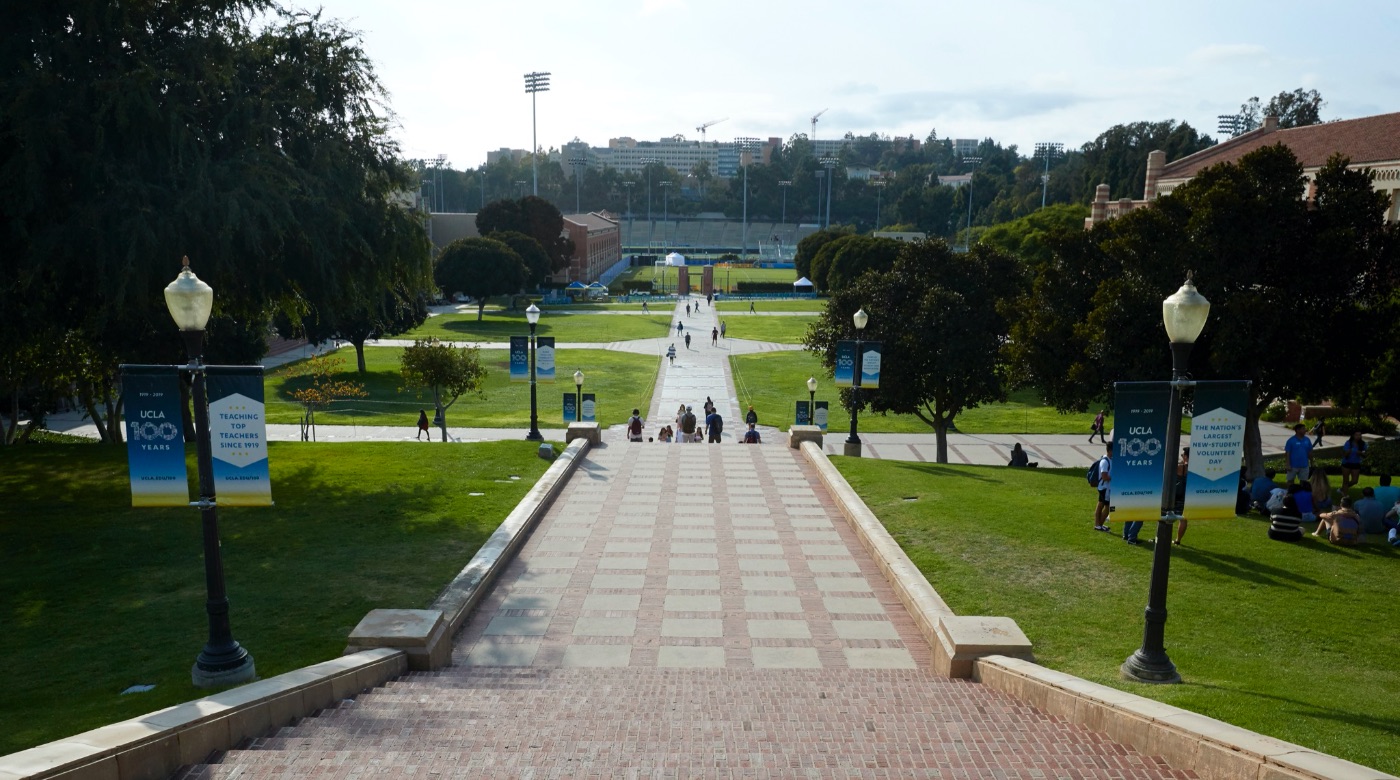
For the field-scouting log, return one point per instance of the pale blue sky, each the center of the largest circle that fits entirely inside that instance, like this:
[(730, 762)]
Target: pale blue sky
[(1016, 71)]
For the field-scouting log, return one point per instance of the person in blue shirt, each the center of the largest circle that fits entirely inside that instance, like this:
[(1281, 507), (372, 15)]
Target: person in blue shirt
[(1352, 451), (1386, 494), (1260, 489), (1302, 495), (1298, 450), (1371, 512)]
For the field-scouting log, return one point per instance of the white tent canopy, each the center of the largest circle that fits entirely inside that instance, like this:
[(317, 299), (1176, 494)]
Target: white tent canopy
[(803, 282), (675, 258)]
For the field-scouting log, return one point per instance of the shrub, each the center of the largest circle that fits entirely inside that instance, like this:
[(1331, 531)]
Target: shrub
[(1277, 412), (1383, 457)]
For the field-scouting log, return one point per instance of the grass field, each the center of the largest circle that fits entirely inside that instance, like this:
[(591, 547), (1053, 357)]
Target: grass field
[(620, 380), (726, 279), (585, 328), (1275, 637), (97, 596), (783, 330), (761, 306), (775, 381)]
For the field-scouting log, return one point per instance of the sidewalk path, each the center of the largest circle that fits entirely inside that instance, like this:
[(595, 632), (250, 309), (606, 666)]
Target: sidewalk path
[(688, 611)]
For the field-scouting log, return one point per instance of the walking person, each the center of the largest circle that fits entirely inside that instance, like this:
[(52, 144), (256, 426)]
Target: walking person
[(1319, 430), (635, 424), (687, 310), (714, 337), (1182, 468), (680, 327), (687, 341), (751, 311), (1097, 428), (1101, 476), (645, 310), (721, 329), (752, 417), (714, 425), (423, 425), (671, 354)]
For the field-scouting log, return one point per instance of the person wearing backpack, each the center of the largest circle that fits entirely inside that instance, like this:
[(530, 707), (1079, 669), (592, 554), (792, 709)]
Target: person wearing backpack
[(634, 426), (688, 425), (1099, 476)]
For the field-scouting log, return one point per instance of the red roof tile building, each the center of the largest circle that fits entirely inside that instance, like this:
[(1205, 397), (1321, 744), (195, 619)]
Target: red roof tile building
[(1370, 142)]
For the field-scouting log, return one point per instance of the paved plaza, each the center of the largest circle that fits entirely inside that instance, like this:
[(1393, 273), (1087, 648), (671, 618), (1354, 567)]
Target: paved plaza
[(688, 611)]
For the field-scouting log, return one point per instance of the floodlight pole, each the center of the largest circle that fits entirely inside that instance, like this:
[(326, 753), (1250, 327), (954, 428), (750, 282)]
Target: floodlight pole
[(830, 163), (1047, 150), (535, 82)]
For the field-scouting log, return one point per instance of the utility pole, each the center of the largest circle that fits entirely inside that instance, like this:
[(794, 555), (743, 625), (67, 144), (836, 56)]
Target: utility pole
[(1048, 151)]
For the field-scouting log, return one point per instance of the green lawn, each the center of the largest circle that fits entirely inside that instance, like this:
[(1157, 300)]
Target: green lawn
[(1275, 637), (501, 325), (620, 380), (761, 306), (96, 596), (775, 381), (783, 330)]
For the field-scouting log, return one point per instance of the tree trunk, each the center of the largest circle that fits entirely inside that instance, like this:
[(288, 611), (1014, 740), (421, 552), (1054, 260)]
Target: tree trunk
[(441, 412), (114, 415), (359, 353), (7, 434), (480, 308), (940, 432)]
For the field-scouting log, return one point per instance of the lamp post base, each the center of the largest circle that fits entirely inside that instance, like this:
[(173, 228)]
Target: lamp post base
[(851, 448), (1157, 671), (534, 436), (242, 673)]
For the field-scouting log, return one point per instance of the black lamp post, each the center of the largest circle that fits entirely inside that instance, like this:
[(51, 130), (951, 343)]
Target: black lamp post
[(1184, 315), (812, 399), (532, 316), (222, 661), (852, 447), (578, 396)]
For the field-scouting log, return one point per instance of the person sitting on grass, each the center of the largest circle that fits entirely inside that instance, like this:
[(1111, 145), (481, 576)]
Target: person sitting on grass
[(1386, 493), (1321, 491), (1342, 526), (1019, 458), (1286, 525), (1302, 494), (1371, 512), (1260, 489)]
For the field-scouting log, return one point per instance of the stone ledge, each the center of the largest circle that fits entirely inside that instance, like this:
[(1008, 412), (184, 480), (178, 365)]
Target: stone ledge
[(153, 746), (962, 640), (584, 430), (470, 585), (1214, 749), (909, 584), (801, 433), (420, 633)]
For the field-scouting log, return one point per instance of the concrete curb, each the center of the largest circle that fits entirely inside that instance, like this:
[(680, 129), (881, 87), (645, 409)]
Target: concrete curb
[(470, 585), (913, 589), (1216, 750), (155, 745)]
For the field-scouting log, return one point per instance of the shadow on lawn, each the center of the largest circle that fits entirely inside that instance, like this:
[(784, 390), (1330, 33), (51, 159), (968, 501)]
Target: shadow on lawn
[(1248, 569), (1312, 710)]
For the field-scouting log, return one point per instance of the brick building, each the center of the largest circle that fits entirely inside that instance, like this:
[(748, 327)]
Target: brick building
[(597, 246), (1371, 142)]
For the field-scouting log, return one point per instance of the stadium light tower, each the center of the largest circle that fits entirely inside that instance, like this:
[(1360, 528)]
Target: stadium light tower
[(577, 163), (1048, 151), (972, 162), (784, 185), (535, 82), (745, 146), (830, 163)]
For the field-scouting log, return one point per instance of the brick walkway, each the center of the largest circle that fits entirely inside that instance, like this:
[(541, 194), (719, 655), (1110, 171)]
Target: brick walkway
[(688, 611)]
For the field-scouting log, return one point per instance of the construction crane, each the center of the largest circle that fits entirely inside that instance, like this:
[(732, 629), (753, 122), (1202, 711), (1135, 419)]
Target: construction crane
[(702, 128), (815, 117)]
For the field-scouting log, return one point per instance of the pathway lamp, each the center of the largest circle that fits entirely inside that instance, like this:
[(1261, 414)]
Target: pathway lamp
[(1184, 315), (811, 400), (532, 316), (852, 447), (222, 661), (578, 395)]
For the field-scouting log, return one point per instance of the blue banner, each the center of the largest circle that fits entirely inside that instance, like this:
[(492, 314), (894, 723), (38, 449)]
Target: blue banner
[(819, 415), (1217, 447), (804, 414), (238, 436), (589, 409), (845, 363), (1139, 450), (570, 407), (519, 358), (544, 359), (870, 364), (155, 436)]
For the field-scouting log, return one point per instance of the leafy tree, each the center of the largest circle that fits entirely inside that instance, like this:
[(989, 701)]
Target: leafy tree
[(446, 371), (479, 267), (1025, 238), (1294, 109), (808, 247), (530, 251), (254, 142), (1284, 278), (535, 217), (937, 313), (396, 311), (1118, 157), (323, 388), (853, 255)]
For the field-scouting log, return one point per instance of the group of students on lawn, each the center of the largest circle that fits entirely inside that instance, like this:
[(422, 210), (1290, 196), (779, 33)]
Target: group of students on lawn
[(1305, 497)]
